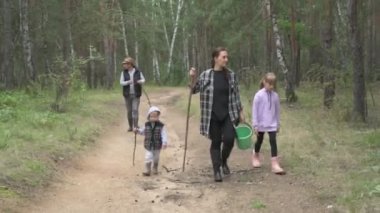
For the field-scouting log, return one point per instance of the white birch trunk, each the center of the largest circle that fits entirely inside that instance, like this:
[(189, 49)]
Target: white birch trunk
[(290, 95), (171, 10), (175, 30), (156, 67), (124, 30), (165, 28), (26, 42), (136, 43), (277, 38)]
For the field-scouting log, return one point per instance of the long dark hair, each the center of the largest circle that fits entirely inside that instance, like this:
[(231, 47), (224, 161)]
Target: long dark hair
[(215, 54)]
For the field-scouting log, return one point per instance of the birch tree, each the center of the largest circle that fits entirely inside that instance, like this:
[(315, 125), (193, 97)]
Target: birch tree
[(30, 72), (289, 88), (123, 29), (175, 30)]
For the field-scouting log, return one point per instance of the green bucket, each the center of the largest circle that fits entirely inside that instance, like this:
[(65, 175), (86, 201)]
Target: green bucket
[(244, 134)]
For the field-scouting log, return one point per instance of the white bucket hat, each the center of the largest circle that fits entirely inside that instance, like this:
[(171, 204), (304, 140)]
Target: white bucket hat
[(153, 109)]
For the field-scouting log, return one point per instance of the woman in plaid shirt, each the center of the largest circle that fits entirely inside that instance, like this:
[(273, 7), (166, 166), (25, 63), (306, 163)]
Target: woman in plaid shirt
[(221, 108)]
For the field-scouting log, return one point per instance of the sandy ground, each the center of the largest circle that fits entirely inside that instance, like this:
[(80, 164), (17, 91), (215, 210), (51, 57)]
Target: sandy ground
[(104, 180)]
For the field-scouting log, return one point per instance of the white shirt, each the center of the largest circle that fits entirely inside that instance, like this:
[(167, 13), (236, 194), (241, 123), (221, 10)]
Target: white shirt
[(130, 82)]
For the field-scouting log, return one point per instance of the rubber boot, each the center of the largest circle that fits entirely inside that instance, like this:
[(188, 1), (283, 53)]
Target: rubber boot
[(148, 167), (216, 163), (276, 168), (225, 154), (256, 160), (155, 168)]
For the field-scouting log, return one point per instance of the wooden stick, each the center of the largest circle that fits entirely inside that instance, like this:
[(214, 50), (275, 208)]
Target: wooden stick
[(147, 97), (187, 125), (134, 148)]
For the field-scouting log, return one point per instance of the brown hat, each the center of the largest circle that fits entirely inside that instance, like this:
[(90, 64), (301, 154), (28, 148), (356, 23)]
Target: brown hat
[(129, 60)]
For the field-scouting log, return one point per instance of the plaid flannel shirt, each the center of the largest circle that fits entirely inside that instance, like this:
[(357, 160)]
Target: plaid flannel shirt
[(205, 85)]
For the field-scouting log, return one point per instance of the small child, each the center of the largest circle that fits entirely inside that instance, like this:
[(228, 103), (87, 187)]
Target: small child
[(266, 118), (155, 140)]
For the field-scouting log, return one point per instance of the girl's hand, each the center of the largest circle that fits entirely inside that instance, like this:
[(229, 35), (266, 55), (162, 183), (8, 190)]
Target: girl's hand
[(164, 146), (278, 130), (256, 131)]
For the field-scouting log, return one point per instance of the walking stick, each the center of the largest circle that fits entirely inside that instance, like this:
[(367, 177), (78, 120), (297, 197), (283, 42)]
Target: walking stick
[(147, 97), (187, 123), (134, 148)]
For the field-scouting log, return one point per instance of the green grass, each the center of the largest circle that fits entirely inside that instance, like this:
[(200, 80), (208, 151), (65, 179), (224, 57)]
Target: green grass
[(256, 204), (335, 156), (34, 140)]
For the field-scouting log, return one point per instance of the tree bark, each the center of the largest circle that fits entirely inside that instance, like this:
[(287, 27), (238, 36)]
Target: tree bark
[(136, 43), (295, 48), (269, 42), (123, 28), (289, 87), (359, 92), (63, 81), (30, 73), (109, 42), (6, 48), (179, 8), (327, 41)]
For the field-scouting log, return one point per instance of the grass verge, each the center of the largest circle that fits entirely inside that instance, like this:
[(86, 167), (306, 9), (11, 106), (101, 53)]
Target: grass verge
[(34, 140), (339, 159)]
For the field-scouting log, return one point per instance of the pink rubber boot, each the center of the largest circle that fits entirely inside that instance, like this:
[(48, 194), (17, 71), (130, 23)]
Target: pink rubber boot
[(276, 168), (256, 160)]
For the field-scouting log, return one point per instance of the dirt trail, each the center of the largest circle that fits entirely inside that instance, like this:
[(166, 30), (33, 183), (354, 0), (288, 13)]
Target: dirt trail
[(104, 180)]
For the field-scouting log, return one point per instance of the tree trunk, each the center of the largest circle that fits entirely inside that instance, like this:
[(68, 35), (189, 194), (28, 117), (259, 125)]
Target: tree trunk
[(91, 68), (45, 49), (289, 88), (295, 74), (136, 43), (269, 43), (370, 40), (30, 73), (156, 68), (63, 83), (359, 92), (124, 31), (6, 48), (327, 41), (109, 46), (179, 8)]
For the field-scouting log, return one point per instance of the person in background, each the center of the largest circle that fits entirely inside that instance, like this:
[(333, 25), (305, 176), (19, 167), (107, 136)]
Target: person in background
[(155, 140), (221, 109), (266, 118), (131, 80)]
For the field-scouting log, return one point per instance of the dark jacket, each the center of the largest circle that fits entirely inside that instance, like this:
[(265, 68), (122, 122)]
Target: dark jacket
[(153, 138), (138, 87)]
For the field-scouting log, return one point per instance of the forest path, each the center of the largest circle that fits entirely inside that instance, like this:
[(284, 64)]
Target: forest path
[(104, 180)]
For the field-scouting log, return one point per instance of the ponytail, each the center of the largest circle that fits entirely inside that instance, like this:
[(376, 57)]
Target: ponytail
[(261, 85)]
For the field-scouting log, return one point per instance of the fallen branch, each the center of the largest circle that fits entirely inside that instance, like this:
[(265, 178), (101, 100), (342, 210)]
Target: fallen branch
[(170, 170)]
